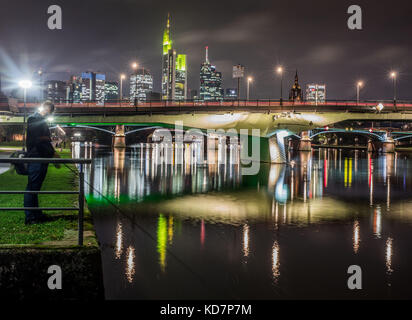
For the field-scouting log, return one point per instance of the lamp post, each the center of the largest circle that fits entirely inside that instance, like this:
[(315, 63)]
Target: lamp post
[(40, 73), (122, 77), (249, 80), (393, 76), (359, 85), (24, 84), (279, 70), (134, 67)]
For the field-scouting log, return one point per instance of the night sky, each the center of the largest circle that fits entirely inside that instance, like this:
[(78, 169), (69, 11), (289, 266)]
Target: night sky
[(311, 36)]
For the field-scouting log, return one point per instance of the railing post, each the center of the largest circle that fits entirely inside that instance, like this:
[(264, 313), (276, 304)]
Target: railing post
[(81, 204)]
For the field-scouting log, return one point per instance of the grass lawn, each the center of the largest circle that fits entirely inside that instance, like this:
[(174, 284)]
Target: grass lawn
[(12, 227)]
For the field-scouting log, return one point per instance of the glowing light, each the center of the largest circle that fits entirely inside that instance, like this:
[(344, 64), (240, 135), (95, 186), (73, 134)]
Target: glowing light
[(41, 109), (393, 74), (246, 240), (134, 65), (25, 84), (50, 119), (130, 267), (275, 261), (119, 240), (249, 79), (379, 107), (360, 84), (356, 236), (389, 253), (122, 76), (279, 70)]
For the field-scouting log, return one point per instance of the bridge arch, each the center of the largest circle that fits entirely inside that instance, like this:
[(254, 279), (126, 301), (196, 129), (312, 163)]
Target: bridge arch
[(362, 132)]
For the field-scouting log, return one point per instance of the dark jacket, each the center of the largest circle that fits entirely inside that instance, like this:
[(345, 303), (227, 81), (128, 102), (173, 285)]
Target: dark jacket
[(38, 137)]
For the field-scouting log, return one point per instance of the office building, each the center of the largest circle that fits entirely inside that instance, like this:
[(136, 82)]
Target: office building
[(93, 87), (141, 85), (174, 69), (111, 91), (55, 90), (316, 93), (210, 82)]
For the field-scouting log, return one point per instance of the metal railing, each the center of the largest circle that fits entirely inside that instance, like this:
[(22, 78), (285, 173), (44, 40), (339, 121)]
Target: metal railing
[(80, 192)]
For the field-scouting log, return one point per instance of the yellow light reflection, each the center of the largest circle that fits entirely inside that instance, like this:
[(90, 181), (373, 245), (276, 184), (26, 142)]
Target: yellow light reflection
[(275, 261), (130, 267), (119, 240), (377, 222), (246, 240), (162, 241), (170, 230), (356, 236)]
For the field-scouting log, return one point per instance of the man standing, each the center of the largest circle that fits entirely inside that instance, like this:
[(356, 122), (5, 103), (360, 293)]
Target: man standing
[(38, 146)]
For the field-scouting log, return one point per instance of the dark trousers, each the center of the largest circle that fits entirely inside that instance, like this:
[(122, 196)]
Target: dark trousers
[(37, 174)]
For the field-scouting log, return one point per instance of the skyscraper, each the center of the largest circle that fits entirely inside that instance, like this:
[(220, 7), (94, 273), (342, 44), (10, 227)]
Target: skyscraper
[(93, 87), (210, 81), (316, 93), (111, 91), (174, 69), (55, 90), (141, 85)]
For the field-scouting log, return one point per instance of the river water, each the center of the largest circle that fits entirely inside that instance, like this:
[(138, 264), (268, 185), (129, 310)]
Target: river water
[(194, 231)]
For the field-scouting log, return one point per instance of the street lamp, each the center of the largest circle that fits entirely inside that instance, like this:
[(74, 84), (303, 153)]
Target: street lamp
[(279, 70), (40, 73), (249, 80), (24, 84), (393, 76), (134, 67), (122, 77), (359, 85)]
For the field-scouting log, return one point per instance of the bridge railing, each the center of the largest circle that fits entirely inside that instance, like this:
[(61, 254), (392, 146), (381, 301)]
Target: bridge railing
[(70, 106)]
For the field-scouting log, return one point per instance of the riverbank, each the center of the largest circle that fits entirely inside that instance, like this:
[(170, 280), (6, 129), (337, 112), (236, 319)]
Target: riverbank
[(27, 251)]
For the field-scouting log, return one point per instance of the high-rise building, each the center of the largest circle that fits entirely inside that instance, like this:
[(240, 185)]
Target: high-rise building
[(93, 87), (141, 85), (296, 93), (316, 93), (55, 90), (210, 81), (174, 69), (74, 90), (111, 91)]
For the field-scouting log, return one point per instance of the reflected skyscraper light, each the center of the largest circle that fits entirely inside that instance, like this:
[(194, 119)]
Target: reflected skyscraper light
[(246, 240), (388, 255), (119, 240), (356, 236), (275, 261), (130, 264)]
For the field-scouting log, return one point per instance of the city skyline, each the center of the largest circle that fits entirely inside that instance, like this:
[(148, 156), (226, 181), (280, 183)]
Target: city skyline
[(335, 55)]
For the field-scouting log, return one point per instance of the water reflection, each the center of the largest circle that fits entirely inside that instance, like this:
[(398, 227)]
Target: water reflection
[(306, 206)]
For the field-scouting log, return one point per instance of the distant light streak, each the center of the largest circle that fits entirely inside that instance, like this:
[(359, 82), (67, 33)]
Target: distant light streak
[(119, 240), (246, 240), (377, 224), (356, 236), (275, 261), (130, 269), (389, 253)]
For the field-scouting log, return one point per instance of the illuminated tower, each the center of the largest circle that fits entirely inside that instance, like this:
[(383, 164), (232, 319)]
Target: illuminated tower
[(174, 69), (210, 81), (296, 91)]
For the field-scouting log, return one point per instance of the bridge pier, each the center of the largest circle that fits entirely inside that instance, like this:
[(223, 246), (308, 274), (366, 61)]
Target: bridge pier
[(272, 150), (305, 142), (119, 139), (389, 145)]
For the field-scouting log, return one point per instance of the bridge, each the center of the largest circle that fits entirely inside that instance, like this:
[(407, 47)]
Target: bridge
[(272, 119)]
